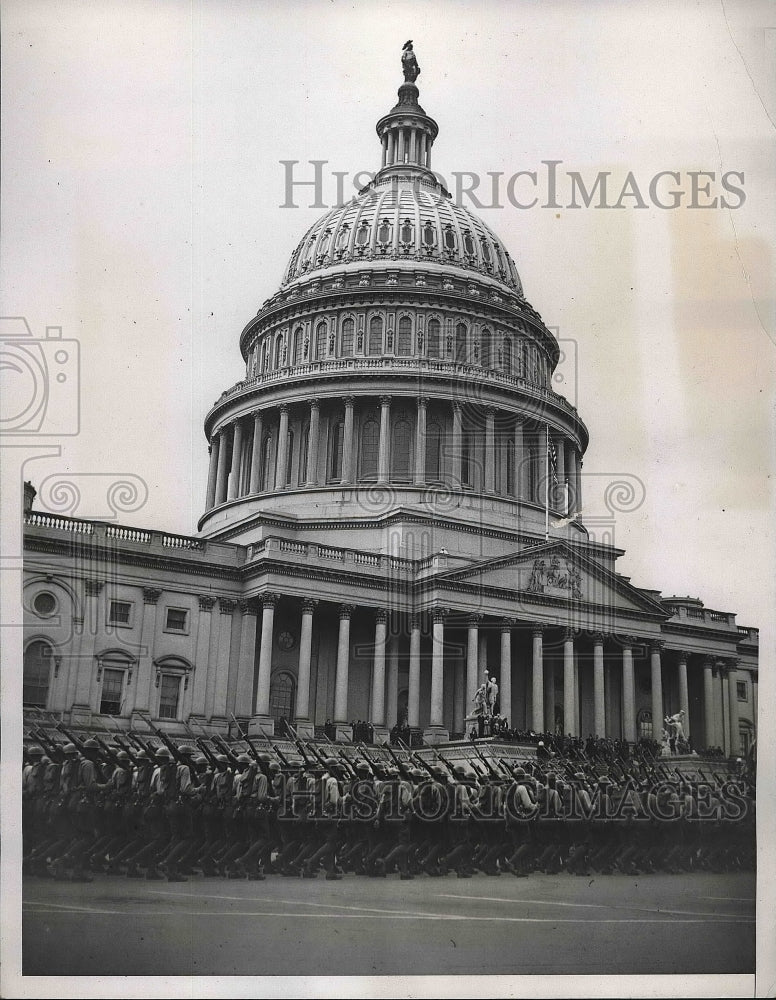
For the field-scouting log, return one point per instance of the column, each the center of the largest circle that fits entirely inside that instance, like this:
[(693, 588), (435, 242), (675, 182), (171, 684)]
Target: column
[(571, 476), (94, 623), (723, 707), (202, 661), (437, 668), (247, 662), (223, 656), (457, 439), (343, 665), (628, 691), (412, 145), (560, 452), (383, 458), (709, 729), (735, 736), (392, 700), (391, 148), (282, 456), (212, 473), (385, 147), (262, 720), (378, 670), (537, 685), (347, 443), (305, 655), (420, 441), (472, 664), (400, 151), (312, 444), (519, 459), (234, 475), (684, 699), (490, 450), (657, 689), (258, 433), (221, 473), (569, 710), (505, 694), (599, 704), (413, 693), (144, 681)]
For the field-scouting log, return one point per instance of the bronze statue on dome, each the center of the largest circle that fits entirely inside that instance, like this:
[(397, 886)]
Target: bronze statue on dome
[(409, 63)]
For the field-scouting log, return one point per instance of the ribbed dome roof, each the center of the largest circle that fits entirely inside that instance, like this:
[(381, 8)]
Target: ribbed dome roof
[(402, 219)]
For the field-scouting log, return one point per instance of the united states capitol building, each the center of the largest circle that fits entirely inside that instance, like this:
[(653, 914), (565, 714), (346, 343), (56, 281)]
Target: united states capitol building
[(390, 510)]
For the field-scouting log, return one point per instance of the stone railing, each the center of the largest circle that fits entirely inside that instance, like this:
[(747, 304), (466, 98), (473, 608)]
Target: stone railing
[(412, 365), (117, 532), (311, 552)]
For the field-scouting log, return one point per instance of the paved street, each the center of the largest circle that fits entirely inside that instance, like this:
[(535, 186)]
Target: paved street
[(699, 923)]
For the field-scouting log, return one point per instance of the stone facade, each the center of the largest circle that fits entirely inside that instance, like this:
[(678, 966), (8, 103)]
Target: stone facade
[(390, 509)]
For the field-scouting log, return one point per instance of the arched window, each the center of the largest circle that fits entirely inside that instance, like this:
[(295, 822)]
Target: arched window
[(320, 342), (407, 231), (278, 355), (267, 477), (521, 358), (404, 338), (434, 338), (112, 676), (400, 450), (429, 234), (281, 696), (362, 237), (335, 450), (433, 452), (323, 245), (370, 445), (485, 349), (384, 233), (644, 722), (264, 354), (342, 238), (486, 252), (346, 338), (461, 347), (375, 342), (38, 661), (450, 240), (296, 357), (508, 355), (289, 456), (468, 244)]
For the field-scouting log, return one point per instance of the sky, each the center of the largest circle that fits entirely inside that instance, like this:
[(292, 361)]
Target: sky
[(142, 188)]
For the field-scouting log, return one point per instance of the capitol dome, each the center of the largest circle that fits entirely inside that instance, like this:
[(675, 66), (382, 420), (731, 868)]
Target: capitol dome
[(397, 372), (403, 222)]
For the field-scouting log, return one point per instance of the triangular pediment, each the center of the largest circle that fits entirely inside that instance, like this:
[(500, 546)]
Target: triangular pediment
[(558, 571)]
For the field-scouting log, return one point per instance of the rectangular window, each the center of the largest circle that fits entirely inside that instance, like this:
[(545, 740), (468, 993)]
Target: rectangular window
[(741, 690), (112, 691), (119, 612), (176, 620), (169, 692)]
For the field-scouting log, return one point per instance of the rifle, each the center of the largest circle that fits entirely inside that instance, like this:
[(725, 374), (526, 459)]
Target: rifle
[(420, 761), (491, 770), (109, 752), (172, 747), (317, 754), (75, 740), (50, 747), (402, 766), (225, 749)]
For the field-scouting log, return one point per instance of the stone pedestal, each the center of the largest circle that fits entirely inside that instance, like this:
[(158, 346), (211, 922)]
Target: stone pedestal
[(304, 730), (380, 735), (261, 725), (80, 715), (344, 734), (436, 734)]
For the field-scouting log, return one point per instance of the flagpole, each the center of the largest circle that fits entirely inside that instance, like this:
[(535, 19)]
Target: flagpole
[(547, 483)]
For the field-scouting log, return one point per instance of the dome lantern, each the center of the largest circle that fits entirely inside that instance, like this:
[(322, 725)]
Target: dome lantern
[(407, 133)]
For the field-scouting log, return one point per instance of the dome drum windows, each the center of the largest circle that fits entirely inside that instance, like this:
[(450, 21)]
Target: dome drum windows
[(384, 235), (434, 338), (468, 245), (404, 337), (341, 243), (346, 337), (375, 339), (407, 235), (451, 241), (362, 237), (429, 236)]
